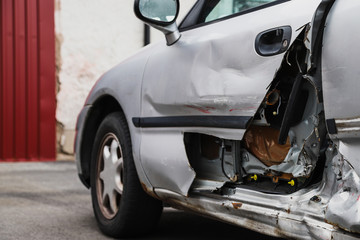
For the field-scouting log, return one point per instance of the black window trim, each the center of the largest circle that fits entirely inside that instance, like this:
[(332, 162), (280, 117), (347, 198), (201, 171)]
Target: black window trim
[(183, 29), (195, 10)]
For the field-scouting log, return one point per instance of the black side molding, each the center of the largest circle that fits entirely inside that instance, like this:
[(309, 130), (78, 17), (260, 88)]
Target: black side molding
[(234, 122)]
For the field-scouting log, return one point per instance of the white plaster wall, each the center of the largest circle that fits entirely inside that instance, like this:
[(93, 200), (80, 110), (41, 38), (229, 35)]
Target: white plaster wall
[(96, 35)]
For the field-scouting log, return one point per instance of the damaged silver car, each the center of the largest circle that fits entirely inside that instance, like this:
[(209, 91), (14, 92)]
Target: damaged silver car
[(247, 114)]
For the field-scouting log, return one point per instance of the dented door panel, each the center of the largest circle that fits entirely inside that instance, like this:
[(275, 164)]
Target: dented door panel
[(215, 69)]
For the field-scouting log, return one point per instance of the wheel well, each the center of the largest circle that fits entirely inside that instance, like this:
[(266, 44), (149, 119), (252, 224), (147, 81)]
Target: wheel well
[(100, 109)]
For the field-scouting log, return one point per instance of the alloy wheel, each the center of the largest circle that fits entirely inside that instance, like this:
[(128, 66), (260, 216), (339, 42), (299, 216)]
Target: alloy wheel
[(109, 176)]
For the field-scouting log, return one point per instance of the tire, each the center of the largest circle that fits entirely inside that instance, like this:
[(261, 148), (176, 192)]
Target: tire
[(121, 207)]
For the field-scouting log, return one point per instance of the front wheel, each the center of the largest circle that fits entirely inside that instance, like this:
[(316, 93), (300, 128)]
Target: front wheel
[(121, 207)]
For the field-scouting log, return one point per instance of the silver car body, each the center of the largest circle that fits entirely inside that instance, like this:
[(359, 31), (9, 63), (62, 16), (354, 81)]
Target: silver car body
[(214, 70)]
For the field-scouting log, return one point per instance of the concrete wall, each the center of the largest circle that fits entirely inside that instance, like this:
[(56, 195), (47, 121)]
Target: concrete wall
[(92, 36)]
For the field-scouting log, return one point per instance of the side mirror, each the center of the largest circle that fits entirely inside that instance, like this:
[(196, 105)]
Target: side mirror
[(160, 14)]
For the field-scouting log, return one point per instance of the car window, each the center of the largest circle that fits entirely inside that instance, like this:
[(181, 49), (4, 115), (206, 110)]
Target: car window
[(224, 8), (208, 11)]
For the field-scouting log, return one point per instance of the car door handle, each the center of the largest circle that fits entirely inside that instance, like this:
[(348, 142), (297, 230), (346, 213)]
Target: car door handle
[(273, 41)]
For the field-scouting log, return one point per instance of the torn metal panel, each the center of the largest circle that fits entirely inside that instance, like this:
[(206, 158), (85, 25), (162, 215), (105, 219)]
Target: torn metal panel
[(300, 154), (294, 216), (350, 148), (343, 207), (313, 213)]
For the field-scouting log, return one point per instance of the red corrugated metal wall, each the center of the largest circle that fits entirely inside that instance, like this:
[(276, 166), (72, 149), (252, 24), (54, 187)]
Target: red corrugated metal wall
[(27, 80)]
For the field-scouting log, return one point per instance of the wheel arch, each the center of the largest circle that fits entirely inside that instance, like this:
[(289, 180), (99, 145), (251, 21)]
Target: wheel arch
[(102, 107)]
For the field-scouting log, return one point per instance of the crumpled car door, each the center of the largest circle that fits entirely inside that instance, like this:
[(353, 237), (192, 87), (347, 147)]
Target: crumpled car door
[(219, 69)]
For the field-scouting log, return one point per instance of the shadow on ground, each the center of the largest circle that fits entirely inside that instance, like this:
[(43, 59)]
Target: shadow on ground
[(47, 201), (182, 225)]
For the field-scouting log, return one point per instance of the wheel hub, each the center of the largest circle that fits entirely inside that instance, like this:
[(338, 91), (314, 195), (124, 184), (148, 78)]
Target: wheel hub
[(110, 176)]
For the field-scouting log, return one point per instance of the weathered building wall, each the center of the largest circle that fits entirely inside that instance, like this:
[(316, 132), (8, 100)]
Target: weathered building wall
[(93, 36)]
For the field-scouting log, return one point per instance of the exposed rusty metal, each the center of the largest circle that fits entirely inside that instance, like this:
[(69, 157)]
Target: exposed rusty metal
[(148, 190), (237, 205)]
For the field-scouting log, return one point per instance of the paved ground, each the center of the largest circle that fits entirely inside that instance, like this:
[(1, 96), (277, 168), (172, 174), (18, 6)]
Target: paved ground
[(47, 201)]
